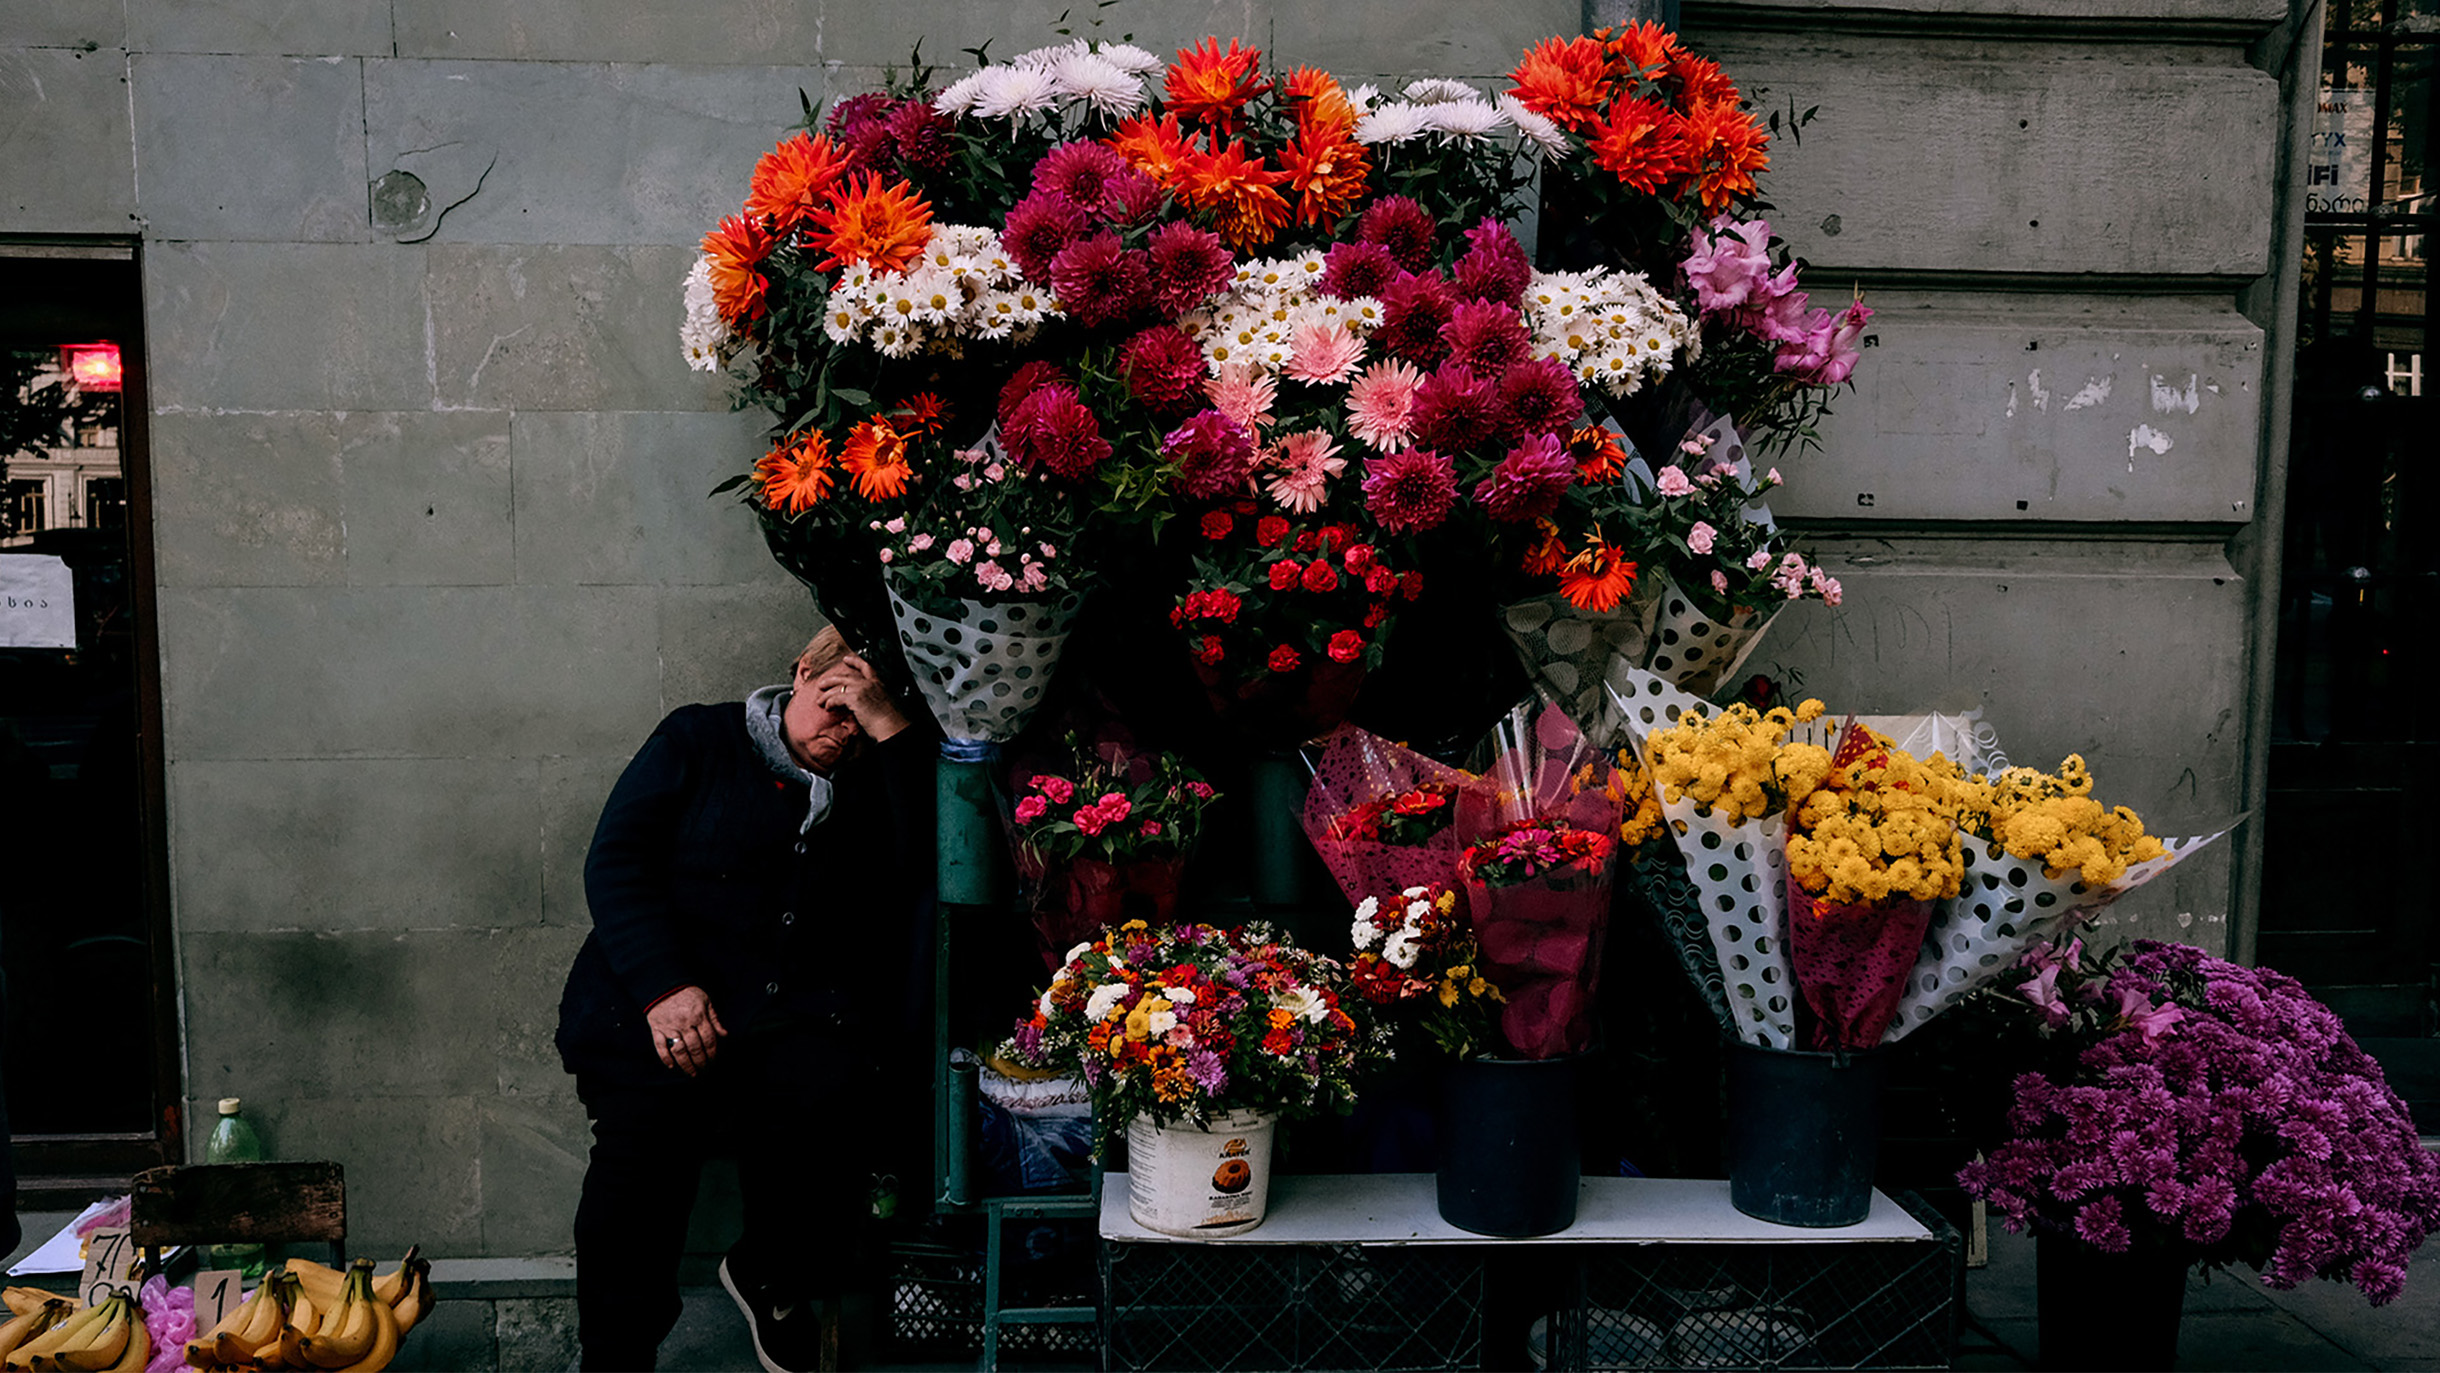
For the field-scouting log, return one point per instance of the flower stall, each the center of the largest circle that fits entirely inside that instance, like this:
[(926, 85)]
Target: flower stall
[(1263, 477)]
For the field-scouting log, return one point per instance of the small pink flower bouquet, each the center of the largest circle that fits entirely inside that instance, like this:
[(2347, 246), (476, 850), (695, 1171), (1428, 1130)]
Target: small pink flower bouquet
[(1105, 840)]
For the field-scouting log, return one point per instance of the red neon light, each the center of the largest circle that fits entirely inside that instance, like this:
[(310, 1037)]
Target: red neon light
[(97, 368)]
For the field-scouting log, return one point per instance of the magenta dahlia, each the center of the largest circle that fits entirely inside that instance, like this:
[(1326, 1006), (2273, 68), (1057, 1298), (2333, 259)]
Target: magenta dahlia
[(1164, 369), (1414, 309), (1213, 452), (1538, 397), (1485, 335), (1081, 171), (1099, 280), (1026, 380), (1038, 227), (1409, 492), (1187, 264), (1528, 482), (919, 134), (1456, 409), (1054, 432), (1494, 266), (1403, 226), (1357, 269), (859, 127)]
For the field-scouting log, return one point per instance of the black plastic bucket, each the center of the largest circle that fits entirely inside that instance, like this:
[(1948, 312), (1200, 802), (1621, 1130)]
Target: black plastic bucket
[(1508, 1156), (1803, 1131)]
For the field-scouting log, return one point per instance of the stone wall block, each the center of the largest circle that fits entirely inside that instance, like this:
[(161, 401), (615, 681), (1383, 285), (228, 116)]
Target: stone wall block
[(534, 965), (2021, 156), (2041, 408), (257, 498), (625, 498), (266, 148), (363, 1017), (317, 845), (588, 153), (574, 328), (373, 672), (413, 1173), (719, 643), (714, 32), (62, 24), (876, 35), (428, 499), (351, 28), (2117, 15), (534, 1152), (286, 326), (64, 108), (1382, 38)]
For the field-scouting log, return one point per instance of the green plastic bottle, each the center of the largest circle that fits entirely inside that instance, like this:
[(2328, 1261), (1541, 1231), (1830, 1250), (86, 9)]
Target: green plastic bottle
[(234, 1141)]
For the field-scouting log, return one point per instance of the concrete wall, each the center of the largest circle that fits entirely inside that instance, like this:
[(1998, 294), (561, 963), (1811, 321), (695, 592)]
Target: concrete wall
[(435, 553)]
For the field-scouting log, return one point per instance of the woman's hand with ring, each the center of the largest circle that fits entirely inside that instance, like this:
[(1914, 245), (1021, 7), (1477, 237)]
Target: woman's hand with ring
[(686, 1030)]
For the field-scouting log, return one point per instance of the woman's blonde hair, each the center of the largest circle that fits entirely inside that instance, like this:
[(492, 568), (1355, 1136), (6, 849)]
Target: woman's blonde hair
[(824, 652)]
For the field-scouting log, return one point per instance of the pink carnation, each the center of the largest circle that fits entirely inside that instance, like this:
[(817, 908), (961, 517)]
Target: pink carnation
[(1699, 539), (1030, 809), (1672, 482)]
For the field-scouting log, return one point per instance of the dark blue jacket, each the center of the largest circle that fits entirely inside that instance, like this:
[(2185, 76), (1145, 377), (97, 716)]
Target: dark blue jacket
[(697, 875)]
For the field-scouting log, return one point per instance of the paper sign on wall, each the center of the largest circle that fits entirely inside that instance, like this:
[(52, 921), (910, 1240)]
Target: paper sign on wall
[(37, 602)]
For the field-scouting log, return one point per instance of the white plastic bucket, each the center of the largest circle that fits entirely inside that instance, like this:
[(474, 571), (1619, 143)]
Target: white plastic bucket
[(1200, 1183)]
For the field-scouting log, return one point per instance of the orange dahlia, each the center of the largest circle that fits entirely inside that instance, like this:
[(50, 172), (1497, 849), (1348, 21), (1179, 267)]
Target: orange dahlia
[(1599, 457), (1648, 46), (1321, 103), (921, 413), (1728, 145), (1599, 577), (1210, 86), (1326, 173), (1239, 192), (875, 455), (792, 180), (885, 226), (737, 249), (1643, 143), (1564, 80), (1155, 147), (1548, 554), (796, 473), (1693, 80)]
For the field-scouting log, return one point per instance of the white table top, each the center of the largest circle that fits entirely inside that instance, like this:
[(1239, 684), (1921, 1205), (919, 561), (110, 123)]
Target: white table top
[(1400, 1208)]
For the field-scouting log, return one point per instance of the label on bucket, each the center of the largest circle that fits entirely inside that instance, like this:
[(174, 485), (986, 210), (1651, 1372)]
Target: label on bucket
[(1184, 1181)]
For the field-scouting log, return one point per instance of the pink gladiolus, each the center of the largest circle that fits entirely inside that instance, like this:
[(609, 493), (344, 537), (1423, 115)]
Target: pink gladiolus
[(1730, 265)]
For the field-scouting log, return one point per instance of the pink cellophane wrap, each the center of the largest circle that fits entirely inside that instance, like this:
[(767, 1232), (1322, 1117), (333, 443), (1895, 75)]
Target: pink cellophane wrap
[(1541, 946), (1356, 768), (1851, 962)]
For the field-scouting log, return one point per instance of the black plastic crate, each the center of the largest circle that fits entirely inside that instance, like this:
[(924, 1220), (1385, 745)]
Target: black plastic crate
[(1817, 1304), (1205, 1307), (936, 1306)]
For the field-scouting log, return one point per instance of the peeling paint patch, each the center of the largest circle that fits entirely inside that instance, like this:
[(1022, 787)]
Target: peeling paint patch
[(2096, 390), (2011, 401), (2144, 436), (2041, 397), (2168, 400)]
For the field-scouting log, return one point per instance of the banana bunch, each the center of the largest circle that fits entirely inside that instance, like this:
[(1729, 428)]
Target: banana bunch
[(310, 1316), (59, 1334)]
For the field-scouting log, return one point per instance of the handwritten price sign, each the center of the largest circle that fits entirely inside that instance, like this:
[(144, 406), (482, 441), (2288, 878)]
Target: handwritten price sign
[(111, 1261), (37, 602)]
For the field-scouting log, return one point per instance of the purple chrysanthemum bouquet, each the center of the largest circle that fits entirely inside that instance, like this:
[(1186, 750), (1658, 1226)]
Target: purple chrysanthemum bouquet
[(2213, 1108)]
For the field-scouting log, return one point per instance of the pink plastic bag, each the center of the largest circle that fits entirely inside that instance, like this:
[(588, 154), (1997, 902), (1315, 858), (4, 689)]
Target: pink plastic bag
[(1359, 771)]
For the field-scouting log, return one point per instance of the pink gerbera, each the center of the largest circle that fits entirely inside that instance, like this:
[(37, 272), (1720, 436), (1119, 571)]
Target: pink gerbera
[(1324, 353), (1038, 227), (1357, 269), (1099, 280), (1187, 264), (1213, 453), (1414, 309), (1494, 266), (1410, 492), (1528, 482), (1243, 394), (1381, 405), (1301, 466), (1164, 369), (1485, 335), (1456, 409), (1538, 397), (1401, 225)]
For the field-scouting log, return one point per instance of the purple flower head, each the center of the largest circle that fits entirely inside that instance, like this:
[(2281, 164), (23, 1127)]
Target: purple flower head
[(1081, 171), (1410, 491), (1456, 409), (1099, 280), (1188, 264), (1213, 454), (1038, 227), (1414, 310), (1485, 335), (1538, 397)]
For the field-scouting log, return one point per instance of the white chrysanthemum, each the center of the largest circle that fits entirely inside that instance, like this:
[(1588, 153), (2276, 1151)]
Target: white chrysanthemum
[(1304, 1003), (1178, 996), (1538, 132), (961, 94), (1363, 929), (1438, 90), (701, 334), (1394, 122), (1009, 92), (1362, 97), (1159, 1023), (1129, 58), (1045, 1003), (1046, 58), (1464, 120), (1100, 83), (1401, 949), (1104, 998)]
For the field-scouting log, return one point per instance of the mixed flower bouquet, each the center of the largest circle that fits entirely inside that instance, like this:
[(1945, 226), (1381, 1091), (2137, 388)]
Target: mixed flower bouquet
[(1384, 818), (1416, 963), (1190, 1021), (2188, 1103), (1106, 839)]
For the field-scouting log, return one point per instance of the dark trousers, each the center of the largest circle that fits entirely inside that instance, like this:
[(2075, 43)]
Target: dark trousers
[(792, 1107)]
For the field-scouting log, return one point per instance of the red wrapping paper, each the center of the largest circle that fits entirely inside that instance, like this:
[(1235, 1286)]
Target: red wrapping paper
[(1541, 946), (1851, 961), (1357, 768), (1075, 901)]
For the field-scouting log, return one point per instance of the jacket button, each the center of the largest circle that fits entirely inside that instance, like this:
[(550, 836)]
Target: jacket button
[(838, 1019), (787, 917), (800, 846), (773, 989)]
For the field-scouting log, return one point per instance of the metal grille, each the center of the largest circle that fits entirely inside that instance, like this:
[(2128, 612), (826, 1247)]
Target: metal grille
[(1772, 1306), (1218, 1307), (936, 1307)]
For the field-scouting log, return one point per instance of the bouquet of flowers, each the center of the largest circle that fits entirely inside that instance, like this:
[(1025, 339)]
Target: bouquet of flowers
[(1416, 963), (1105, 840), (2241, 1121), (1537, 887), (1384, 818), (1190, 1021)]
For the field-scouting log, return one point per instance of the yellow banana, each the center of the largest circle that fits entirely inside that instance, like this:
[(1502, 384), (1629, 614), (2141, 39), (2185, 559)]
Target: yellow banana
[(385, 1341), (416, 1302), (27, 1326), (138, 1352), (249, 1326), (321, 1280), (101, 1349), (24, 1301), (347, 1333), (56, 1338)]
